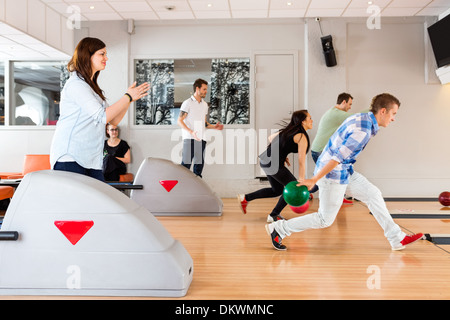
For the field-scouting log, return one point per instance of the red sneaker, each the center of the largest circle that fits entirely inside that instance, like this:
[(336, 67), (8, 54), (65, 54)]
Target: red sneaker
[(408, 240), (345, 201), (242, 203)]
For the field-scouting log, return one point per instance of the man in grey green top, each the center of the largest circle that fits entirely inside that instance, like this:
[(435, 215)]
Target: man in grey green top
[(330, 121)]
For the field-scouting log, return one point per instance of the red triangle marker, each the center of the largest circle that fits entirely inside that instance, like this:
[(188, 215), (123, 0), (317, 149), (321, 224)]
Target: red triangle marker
[(168, 184), (74, 230)]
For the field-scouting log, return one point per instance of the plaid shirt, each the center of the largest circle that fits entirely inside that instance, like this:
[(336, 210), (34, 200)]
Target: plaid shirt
[(346, 144)]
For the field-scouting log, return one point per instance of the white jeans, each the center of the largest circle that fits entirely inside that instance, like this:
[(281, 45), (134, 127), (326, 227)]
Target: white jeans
[(330, 197)]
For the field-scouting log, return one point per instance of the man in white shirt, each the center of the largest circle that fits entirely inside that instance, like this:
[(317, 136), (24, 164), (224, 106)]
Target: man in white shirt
[(193, 122)]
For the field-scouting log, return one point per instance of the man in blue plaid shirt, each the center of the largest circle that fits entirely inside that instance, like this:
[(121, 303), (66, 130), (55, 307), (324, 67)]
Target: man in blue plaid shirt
[(346, 143), (335, 177)]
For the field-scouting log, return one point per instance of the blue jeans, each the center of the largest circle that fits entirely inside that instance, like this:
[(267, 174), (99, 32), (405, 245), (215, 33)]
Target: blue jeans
[(194, 152), (76, 168), (315, 155)]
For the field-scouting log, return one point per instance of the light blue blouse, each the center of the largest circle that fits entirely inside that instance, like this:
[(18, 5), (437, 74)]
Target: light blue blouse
[(80, 131)]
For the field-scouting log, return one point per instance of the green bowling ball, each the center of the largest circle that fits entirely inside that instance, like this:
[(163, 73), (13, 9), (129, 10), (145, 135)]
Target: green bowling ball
[(295, 196)]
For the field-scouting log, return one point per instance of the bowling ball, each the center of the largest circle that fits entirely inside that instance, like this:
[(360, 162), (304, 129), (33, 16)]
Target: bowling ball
[(444, 198), (295, 196), (301, 209)]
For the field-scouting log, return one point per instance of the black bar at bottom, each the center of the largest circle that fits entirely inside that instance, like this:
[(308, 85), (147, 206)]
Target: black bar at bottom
[(9, 235), (419, 216), (444, 239)]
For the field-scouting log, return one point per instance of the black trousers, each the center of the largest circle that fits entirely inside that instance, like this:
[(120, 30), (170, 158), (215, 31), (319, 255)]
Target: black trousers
[(277, 182), (194, 152), (75, 167)]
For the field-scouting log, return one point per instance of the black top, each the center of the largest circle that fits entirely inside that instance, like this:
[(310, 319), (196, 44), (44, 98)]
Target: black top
[(117, 151), (284, 145), (113, 167)]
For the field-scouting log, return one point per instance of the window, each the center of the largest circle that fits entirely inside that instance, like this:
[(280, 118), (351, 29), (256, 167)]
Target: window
[(171, 83), (36, 92), (2, 93)]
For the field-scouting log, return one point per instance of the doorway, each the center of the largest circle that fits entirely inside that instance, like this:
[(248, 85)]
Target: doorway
[(276, 98)]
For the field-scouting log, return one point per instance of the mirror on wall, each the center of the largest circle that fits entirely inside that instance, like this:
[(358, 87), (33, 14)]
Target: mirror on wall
[(35, 92), (171, 83)]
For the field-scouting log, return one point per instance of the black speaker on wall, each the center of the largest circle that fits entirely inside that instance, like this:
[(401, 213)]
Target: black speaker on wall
[(328, 51)]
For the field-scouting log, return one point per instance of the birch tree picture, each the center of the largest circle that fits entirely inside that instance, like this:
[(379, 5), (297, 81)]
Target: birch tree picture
[(157, 107), (230, 89)]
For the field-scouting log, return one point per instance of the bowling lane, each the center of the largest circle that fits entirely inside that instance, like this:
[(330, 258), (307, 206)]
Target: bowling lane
[(421, 209), (435, 226)]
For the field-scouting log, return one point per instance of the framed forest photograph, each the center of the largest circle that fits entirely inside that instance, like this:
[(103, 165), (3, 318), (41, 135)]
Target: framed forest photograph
[(171, 83)]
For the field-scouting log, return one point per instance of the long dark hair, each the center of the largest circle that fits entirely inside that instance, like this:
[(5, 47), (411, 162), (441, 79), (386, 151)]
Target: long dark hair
[(295, 126), (81, 62)]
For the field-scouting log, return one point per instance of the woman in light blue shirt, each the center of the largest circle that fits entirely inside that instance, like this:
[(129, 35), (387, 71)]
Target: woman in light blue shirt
[(77, 145)]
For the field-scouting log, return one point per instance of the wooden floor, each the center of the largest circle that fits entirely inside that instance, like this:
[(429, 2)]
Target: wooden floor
[(234, 259)]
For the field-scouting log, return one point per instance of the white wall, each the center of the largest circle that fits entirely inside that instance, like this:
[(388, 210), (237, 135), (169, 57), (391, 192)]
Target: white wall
[(40, 21), (408, 158), (238, 39)]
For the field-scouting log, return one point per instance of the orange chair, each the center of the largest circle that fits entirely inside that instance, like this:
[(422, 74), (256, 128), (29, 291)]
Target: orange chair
[(127, 177), (5, 175), (6, 192), (32, 162)]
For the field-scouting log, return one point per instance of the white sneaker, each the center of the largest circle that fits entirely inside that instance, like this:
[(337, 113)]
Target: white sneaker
[(271, 219)]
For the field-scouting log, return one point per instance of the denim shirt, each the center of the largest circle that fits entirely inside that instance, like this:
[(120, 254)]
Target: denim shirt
[(80, 131), (346, 144)]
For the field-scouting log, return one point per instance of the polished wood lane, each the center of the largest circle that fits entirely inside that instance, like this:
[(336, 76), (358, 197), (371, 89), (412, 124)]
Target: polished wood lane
[(233, 258)]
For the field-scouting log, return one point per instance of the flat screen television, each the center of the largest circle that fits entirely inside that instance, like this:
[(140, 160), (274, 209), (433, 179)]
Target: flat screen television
[(440, 41)]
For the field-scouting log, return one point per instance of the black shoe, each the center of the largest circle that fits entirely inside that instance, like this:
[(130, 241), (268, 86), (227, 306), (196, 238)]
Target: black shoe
[(275, 237)]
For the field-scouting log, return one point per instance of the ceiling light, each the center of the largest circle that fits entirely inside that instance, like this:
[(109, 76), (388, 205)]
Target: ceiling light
[(92, 7), (210, 5), (289, 3), (370, 2)]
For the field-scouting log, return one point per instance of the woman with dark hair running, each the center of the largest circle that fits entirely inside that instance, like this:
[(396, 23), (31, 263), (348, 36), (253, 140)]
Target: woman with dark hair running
[(335, 176), (291, 139), (77, 145)]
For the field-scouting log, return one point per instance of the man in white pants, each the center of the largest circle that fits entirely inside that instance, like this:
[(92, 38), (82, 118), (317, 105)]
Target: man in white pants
[(335, 177)]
